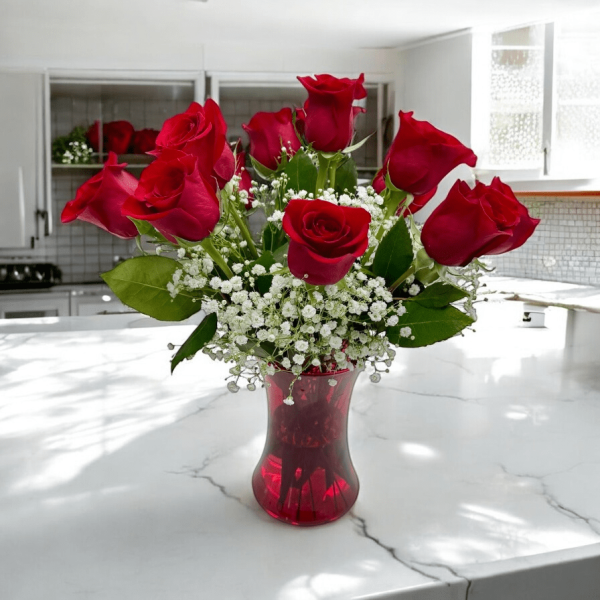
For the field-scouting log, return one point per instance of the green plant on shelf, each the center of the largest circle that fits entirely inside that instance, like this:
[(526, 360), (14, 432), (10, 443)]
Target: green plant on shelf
[(72, 149)]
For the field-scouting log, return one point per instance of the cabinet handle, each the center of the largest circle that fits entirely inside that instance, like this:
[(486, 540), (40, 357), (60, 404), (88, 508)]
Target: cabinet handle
[(22, 204)]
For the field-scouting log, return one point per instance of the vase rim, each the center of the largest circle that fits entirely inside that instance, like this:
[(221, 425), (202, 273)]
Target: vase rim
[(328, 374)]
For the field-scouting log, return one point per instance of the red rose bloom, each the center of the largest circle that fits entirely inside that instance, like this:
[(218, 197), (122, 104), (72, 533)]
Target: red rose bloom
[(421, 156), (241, 171), (99, 200), (202, 132), (329, 114), (144, 141), (325, 239), (174, 196), (93, 136), (117, 136), (268, 133), (475, 222)]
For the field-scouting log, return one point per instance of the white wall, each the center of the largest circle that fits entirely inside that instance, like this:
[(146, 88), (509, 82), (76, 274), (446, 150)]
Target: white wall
[(434, 80), (120, 34)]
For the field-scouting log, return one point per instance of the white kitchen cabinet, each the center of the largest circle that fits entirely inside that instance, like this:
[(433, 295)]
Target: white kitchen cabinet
[(77, 99), (34, 304), (22, 190)]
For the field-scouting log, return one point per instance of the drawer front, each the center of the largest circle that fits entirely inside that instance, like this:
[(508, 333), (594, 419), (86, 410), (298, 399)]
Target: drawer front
[(24, 306)]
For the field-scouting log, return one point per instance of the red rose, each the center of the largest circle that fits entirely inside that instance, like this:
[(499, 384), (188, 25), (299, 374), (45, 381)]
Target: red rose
[(241, 171), (144, 141), (99, 200), (202, 132), (268, 133), (175, 198), (378, 182), (421, 156), (93, 136), (474, 222), (325, 239), (117, 136), (329, 114)]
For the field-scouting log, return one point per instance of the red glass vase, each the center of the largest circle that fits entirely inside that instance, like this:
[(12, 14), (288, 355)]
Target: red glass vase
[(305, 475)]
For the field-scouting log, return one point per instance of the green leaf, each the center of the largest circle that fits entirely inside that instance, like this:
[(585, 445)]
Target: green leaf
[(439, 295), (356, 146), (141, 283), (272, 238), (198, 339), (145, 228), (302, 173), (346, 177), (428, 325), (263, 171), (278, 255), (394, 254)]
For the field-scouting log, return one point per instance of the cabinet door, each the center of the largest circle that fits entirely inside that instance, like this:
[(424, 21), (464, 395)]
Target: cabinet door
[(20, 168)]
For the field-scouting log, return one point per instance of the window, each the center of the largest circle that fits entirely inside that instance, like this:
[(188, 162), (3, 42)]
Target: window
[(539, 100)]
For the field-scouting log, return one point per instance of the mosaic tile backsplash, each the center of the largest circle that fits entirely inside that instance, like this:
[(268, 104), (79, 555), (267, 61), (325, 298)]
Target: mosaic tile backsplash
[(565, 245)]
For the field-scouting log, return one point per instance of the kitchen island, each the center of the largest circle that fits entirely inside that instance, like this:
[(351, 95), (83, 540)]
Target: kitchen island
[(478, 458)]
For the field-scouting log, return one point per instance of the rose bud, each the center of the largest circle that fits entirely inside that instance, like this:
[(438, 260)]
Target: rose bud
[(469, 223), (325, 239), (117, 136), (144, 141), (421, 156), (99, 200), (202, 132), (174, 196), (329, 114), (268, 133)]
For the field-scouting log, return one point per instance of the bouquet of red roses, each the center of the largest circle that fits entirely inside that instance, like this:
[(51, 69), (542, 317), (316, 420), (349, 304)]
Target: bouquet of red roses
[(339, 275)]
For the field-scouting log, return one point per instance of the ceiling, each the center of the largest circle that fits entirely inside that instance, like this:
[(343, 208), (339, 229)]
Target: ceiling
[(340, 24), (361, 23)]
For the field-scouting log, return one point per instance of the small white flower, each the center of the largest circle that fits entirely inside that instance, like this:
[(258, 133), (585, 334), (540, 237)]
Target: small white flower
[(237, 283), (301, 345), (325, 331), (309, 311), (298, 359), (286, 363), (335, 342), (393, 320), (181, 252), (332, 382), (289, 310), (289, 401), (405, 332), (237, 268), (315, 362), (413, 290), (226, 287), (401, 310)]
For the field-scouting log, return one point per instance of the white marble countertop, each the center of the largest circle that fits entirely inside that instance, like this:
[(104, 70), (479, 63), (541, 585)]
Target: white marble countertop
[(479, 463)]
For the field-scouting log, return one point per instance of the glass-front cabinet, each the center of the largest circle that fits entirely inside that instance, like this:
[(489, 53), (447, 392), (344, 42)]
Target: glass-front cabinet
[(241, 95)]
